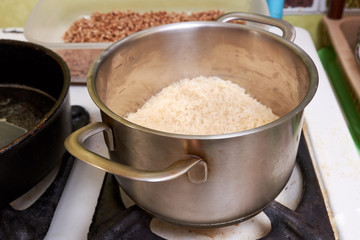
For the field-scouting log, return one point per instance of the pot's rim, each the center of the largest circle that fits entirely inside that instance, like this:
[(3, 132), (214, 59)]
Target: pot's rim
[(308, 62), (59, 101)]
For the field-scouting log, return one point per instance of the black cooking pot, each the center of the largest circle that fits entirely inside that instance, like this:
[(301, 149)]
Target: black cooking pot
[(34, 85)]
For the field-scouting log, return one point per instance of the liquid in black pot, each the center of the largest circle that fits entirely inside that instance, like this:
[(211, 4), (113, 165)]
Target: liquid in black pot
[(23, 106)]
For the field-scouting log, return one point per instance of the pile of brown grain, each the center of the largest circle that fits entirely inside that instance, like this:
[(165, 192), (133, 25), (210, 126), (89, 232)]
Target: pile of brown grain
[(112, 26), (202, 106)]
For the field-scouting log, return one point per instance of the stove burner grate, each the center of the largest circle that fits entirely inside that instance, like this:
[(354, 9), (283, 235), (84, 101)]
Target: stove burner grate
[(112, 220), (34, 222), (310, 219)]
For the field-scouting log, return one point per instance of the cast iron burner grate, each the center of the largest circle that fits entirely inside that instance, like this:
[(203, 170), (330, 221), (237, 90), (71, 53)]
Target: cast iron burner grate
[(34, 222), (112, 220)]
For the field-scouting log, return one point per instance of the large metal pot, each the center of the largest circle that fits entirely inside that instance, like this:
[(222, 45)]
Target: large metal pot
[(34, 96), (230, 177)]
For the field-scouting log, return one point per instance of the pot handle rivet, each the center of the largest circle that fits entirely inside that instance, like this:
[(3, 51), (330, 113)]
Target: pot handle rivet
[(198, 173)]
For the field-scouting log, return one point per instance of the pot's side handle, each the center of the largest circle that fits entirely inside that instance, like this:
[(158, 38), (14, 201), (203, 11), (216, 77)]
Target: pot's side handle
[(287, 29), (191, 164)]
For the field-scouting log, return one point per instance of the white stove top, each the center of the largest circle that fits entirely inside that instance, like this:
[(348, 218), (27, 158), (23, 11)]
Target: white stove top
[(334, 154)]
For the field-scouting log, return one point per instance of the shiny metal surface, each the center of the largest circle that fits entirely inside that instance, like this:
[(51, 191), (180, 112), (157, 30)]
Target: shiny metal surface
[(245, 170), (75, 145), (285, 27)]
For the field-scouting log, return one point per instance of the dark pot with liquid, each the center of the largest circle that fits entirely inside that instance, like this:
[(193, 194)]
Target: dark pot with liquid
[(34, 115)]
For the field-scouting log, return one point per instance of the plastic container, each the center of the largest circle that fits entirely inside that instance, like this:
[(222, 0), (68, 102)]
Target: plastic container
[(50, 19)]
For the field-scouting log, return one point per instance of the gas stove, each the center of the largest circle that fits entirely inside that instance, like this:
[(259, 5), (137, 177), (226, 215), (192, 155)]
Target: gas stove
[(333, 154), (299, 212)]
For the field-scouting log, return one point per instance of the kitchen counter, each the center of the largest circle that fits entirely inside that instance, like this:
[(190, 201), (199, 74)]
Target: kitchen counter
[(334, 154)]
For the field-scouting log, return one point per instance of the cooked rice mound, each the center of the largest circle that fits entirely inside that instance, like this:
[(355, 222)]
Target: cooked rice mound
[(202, 106)]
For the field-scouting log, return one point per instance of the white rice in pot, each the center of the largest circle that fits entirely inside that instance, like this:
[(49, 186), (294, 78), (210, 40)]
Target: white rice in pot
[(202, 106)]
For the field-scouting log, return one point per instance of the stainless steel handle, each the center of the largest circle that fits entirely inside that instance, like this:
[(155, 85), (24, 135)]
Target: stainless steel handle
[(287, 29), (74, 143)]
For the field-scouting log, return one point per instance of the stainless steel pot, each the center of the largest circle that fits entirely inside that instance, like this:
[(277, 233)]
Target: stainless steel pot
[(230, 177)]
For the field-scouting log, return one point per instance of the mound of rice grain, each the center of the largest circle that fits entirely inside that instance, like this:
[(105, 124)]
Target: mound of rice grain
[(202, 106)]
